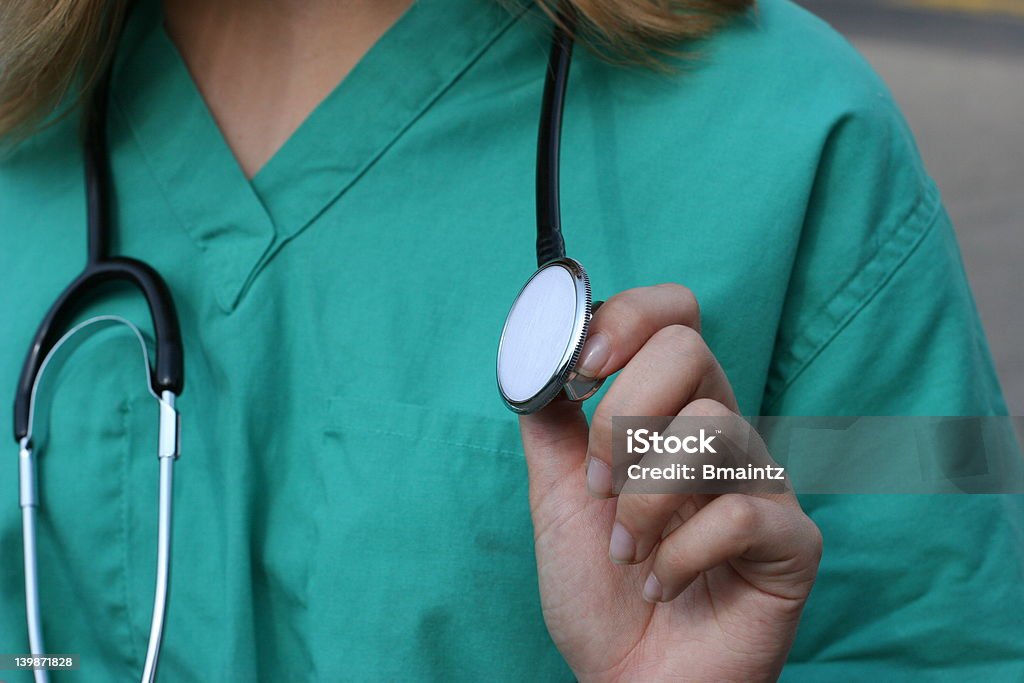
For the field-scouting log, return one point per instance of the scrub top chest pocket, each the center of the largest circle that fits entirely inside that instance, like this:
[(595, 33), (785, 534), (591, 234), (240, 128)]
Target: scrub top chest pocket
[(426, 543)]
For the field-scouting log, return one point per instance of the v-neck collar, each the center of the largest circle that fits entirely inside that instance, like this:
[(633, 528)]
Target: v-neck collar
[(237, 224)]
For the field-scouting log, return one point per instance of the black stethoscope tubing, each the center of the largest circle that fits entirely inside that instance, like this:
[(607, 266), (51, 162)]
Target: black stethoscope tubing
[(168, 373), (550, 244)]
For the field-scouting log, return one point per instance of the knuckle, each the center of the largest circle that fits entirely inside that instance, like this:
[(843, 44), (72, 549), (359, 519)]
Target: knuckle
[(687, 301), (676, 289), (620, 314), (681, 338), (707, 407), (623, 303), (670, 557), (683, 292), (670, 560), (637, 510), (739, 513)]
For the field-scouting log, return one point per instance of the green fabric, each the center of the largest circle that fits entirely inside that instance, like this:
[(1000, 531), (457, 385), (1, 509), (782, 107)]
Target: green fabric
[(351, 496)]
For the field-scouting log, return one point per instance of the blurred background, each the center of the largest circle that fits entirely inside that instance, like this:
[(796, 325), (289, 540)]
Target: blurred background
[(957, 69)]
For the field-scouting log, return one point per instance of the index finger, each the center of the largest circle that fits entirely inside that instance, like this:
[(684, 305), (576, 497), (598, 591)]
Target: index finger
[(626, 321)]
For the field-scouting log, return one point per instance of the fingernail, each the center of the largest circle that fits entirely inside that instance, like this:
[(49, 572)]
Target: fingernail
[(622, 548), (652, 589), (595, 355), (599, 478)]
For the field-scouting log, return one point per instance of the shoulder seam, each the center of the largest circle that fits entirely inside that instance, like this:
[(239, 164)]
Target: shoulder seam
[(895, 251)]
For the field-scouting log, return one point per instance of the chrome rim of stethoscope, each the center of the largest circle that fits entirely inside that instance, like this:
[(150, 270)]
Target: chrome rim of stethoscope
[(543, 336), (168, 449)]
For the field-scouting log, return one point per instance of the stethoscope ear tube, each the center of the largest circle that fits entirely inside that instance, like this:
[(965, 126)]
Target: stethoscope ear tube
[(168, 371), (167, 452)]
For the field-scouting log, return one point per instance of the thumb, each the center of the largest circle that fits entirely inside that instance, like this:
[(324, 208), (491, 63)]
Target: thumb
[(555, 443)]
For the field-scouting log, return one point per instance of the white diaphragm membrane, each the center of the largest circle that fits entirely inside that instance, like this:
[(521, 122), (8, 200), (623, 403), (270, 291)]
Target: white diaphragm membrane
[(543, 335)]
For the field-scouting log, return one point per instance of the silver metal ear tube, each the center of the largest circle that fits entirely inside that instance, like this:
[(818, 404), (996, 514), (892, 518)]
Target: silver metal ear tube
[(168, 449), (170, 428), (29, 500)]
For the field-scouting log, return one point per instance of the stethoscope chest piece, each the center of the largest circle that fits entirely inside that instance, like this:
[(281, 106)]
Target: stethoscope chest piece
[(543, 336)]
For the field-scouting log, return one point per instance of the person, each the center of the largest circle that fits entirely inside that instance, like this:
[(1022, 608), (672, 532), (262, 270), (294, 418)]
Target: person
[(340, 197)]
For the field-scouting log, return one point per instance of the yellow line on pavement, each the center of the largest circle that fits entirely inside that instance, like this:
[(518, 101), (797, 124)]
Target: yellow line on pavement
[(1014, 7)]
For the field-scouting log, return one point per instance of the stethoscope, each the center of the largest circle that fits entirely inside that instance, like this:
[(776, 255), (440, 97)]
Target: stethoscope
[(540, 342), (546, 328), (165, 378)]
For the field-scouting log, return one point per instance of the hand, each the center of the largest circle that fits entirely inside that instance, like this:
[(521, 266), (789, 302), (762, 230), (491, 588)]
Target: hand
[(658, 586)]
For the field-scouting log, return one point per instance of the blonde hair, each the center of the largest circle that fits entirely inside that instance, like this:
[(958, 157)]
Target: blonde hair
[(49, 50), (52, 52)]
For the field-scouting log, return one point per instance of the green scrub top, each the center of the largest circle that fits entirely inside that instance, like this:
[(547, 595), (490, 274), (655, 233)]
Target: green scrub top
[(351, 497)]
